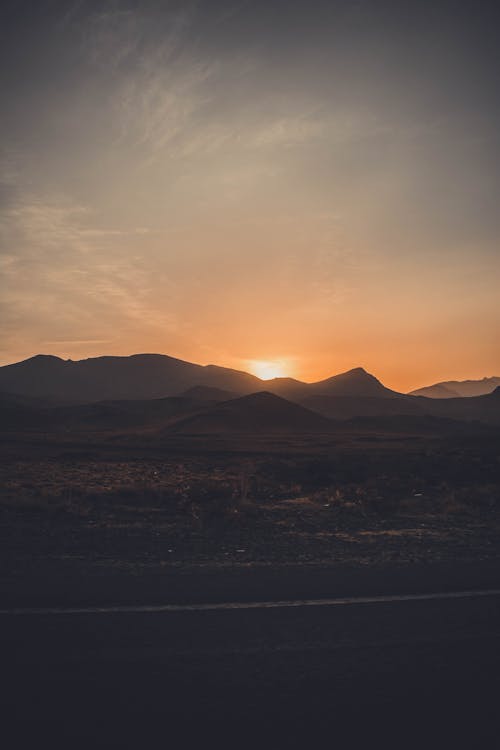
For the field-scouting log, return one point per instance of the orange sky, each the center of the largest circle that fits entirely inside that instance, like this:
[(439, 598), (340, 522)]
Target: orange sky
[(234, 184)]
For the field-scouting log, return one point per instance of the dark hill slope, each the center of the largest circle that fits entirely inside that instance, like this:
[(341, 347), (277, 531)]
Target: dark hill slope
[(258, 413), (416, 425), (435, 391), (484, 409), (105, 416), (348, 407), (207, 394), (289, 388), (475, 408), (140, 376)]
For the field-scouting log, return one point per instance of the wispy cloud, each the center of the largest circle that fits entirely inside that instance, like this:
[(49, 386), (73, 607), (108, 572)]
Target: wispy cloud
[(169, 97), (63, 275), (115, 32), (157, 79), (156, 106)]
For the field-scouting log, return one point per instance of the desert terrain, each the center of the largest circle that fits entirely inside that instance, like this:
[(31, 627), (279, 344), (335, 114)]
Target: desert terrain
[(251, 562)]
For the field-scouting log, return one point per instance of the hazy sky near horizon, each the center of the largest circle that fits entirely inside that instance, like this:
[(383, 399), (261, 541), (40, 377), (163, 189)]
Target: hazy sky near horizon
[(313, 183)]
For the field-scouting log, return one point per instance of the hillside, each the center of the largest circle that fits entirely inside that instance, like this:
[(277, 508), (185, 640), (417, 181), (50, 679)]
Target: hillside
[(207, 394), (484, 409), (140, 376), (347, 407), (261, 412), (105, 416), (474, 408)]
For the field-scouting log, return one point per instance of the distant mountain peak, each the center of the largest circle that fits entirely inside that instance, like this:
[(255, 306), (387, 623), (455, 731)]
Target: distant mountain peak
[(458, 388), (358, 371), (353, 383), (261, 412)]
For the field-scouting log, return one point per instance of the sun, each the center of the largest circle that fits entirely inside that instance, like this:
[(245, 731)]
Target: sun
[(266, 369)]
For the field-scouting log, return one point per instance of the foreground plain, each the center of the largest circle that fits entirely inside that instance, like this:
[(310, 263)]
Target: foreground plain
[(99, 520)]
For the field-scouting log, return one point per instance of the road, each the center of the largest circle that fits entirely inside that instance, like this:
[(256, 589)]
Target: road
[(351, 670)]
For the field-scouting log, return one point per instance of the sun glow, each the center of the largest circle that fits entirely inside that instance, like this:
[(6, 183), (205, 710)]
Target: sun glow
[(267, 369)]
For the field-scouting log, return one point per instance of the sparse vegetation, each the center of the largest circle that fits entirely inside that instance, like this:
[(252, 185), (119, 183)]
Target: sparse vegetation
[(172, 504)]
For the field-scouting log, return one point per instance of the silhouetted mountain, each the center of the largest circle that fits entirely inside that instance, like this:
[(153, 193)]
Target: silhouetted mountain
[(435, 391), (261, 412), (97, 416), (16, 400), (473, 408), (148, 376), (356, 382), (108, 382), (288, 388), (416, 425), (140, 376), (206, 394), (458, 388), (347, 407)]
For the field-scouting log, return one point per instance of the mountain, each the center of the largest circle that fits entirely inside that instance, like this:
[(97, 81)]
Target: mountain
[(439, 390), (205, 393), (416, 425), (458, 388), (288, 388), (14, 400), (261, 412), (353, 383), (484, 408), (96, 416), (348, 407), (151, 376), (33, 387), (140, 376)]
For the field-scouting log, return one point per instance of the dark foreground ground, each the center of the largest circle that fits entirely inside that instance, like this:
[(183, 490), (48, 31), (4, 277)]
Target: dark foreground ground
[(136, 503), (103, 522)]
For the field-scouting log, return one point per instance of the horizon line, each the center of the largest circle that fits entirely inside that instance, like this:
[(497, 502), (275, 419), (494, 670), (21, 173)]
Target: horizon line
[(246, 372)]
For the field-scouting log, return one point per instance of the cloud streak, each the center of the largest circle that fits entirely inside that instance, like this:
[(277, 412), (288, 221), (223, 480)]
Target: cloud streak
[(232, 181), (62, 274)]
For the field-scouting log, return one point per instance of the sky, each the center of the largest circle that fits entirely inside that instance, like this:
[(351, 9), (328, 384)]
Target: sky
[(286, 187)]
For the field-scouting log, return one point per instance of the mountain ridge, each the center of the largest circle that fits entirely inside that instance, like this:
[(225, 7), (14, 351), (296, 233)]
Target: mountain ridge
[(261, 412), (458, 388), (137, 376), (147, 376)]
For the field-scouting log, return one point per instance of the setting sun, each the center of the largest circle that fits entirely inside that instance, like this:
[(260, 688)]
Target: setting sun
[(267, 369)]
